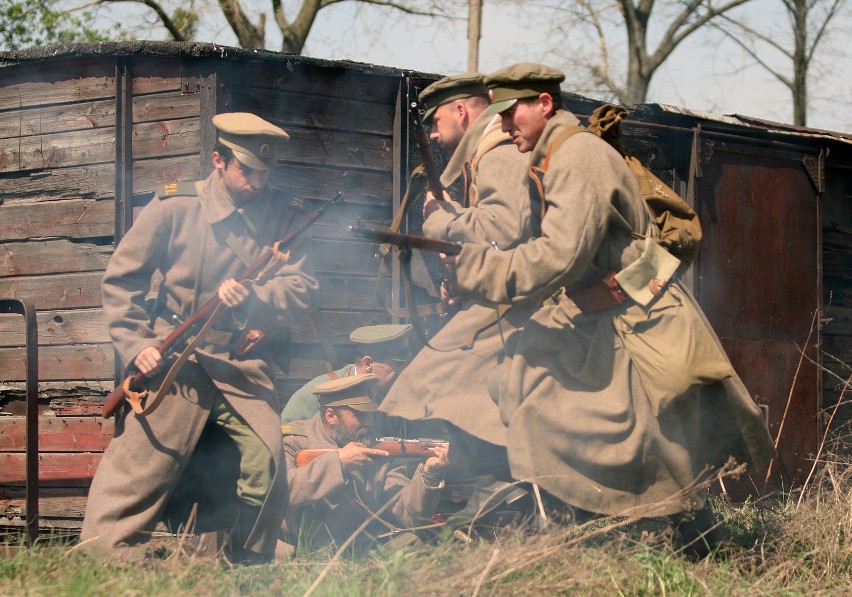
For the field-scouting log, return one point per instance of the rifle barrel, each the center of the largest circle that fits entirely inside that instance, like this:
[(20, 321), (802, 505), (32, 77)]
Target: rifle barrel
[(386, 235)]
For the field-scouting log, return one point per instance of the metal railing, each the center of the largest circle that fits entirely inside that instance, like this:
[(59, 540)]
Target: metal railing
[(26, 309)]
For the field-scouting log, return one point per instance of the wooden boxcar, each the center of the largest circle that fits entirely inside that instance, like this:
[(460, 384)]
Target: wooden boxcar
[(87, 132)]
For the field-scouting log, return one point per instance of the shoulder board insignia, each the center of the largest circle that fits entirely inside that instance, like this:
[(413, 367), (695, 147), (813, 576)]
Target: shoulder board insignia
[(177, 188), (297, 203), (294, 428)]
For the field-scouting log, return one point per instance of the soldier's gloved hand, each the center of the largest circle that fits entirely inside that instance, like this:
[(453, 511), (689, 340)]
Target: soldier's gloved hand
[(149, 361), (439, 461), (354, 455), (233, 293)]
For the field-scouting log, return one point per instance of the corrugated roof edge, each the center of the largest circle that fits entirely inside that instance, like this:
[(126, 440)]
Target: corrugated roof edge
[(768, 126), (191, 49)]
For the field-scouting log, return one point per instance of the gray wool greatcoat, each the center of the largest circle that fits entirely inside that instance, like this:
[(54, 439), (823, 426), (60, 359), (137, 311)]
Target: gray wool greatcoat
[(449, 380), (183, 237), (580, 421), (327, 505)]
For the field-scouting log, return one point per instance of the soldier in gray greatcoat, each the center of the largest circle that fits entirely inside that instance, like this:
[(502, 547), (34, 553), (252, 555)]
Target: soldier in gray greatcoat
[(331, 496), (222, 406), (448, 379), (619, 406)]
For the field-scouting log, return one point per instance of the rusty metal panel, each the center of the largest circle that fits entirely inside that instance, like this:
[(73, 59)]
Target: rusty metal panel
[(758, 281)]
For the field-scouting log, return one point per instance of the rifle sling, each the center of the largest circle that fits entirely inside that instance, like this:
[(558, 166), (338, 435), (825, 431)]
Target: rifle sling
[(151, 406)]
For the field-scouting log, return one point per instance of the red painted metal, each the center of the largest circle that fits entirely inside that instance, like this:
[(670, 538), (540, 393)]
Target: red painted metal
[(758, 281)]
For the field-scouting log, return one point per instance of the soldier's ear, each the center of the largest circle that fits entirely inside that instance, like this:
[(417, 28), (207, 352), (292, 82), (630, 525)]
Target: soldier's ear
[(330, 415), (368, 361), (218, 161)]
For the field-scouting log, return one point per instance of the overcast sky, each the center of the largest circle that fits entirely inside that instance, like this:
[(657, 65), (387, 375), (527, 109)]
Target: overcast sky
[(704, 73)]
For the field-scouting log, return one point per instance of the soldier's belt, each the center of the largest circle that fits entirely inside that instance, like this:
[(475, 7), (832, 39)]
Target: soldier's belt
[(597, 295)]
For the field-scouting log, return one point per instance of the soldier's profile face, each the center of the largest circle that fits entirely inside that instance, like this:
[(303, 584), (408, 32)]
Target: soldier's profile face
[(447, 130), (242, 183), (386, 369), (525, 121)]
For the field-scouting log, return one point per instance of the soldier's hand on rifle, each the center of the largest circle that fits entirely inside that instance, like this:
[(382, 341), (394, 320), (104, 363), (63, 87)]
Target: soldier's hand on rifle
[(430, 205), (355, 455), (447, 295), (439, 461), (233, 293), (149, 361)]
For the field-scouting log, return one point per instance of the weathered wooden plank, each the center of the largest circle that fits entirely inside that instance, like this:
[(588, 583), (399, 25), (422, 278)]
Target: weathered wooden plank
[(96, 181), (90, 361), (155, 76), (312, 182), (53, 502), (339, 293), (334, 223), (352, 257), (339, 323), (54, 119), (150, 173), (57, 150), (74, 218), (331, 82), (59, 326), (74, 469), (166, 138), (57, 434), (51, 257), (337, 149), (56, 392), (312, 110), (164, 106), (68, 291), (57, 81), (151, 139)]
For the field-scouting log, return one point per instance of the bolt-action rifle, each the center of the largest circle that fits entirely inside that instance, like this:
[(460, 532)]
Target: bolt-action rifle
[(433, 176), (381, 234), (397, 447), (134, 388)]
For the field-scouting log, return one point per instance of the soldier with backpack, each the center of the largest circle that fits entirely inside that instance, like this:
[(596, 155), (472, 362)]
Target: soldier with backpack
[(619, 397)]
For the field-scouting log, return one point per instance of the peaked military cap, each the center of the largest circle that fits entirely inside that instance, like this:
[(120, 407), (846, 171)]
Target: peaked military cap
[(354, 391), (507, 85), (384, 339), (452, 88), (252, 138)]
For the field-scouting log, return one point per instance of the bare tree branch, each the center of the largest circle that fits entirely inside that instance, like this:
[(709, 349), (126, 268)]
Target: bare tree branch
[(164, 17)]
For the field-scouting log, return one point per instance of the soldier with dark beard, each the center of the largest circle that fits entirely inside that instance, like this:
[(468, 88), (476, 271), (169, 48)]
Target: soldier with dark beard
[(335, 493)]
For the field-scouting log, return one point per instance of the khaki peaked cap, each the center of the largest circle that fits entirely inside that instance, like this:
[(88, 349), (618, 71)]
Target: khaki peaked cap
[(354, 391), (507, 85), (252, 139), (452, 88), (390, 339)]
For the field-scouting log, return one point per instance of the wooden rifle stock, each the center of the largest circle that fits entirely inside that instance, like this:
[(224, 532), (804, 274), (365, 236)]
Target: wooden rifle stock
[(257, 271), (386, 235), (395, 446), (433, 176)]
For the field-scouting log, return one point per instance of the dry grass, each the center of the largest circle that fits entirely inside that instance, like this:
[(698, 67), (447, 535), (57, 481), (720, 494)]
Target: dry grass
[(779, 546)]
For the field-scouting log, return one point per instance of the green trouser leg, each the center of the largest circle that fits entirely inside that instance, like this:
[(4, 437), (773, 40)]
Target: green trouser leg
[(256, 465)]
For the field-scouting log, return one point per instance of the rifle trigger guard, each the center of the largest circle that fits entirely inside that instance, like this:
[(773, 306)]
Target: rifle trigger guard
[(134, 398)]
